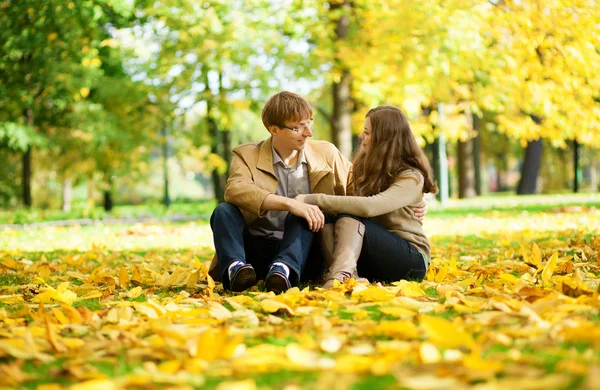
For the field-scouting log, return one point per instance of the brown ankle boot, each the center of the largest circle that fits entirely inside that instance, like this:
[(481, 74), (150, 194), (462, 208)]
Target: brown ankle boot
[(348, 244)]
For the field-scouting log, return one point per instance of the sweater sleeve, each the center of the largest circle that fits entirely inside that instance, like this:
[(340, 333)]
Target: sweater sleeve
[(406, 190)]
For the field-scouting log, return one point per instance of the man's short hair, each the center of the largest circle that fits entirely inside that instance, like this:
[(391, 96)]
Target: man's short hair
[(285, 106)]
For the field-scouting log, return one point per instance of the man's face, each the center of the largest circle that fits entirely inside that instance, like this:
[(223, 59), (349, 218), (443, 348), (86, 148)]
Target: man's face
[(293, 134)]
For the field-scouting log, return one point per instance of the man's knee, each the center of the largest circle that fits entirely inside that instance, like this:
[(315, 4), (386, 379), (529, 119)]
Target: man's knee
[(224, 211), (292, 219)]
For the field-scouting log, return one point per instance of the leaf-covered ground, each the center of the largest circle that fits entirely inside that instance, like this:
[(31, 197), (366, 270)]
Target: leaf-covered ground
[(511, 301)]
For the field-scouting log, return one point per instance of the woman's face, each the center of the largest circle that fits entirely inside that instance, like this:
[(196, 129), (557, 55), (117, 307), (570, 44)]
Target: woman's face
[(365, 136)]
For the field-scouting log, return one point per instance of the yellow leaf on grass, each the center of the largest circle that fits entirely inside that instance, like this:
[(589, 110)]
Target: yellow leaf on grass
[(72, 314), (216, 343), (53, 338), (170, 366), (273, 306), (123, 277), (73, 343), (60, 316), (10, 263), (192, 279), (441, 274), (374, 294), (429, 353), (509, 278), (11, 299), (549, 268), (300, 356), (147, 310), (444, 333), (475, 363), (331, 344), (248, 384), (396, 329), (353, 363), (136, 278), (409, 289), (62, 295), (95, 384), (134, 292), (44, 272), (220, 312), (536, 255), (398, 312)]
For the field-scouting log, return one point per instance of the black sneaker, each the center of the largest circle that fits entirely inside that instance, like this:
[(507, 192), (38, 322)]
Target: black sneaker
[(276, 280), (241, 277)]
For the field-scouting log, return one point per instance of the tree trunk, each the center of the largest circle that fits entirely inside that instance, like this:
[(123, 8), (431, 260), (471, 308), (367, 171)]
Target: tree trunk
[(530, 168), (435, 159), (477, 154), (225, 133), (595, 173), (218, 185), (466, 171), (341, 121), (108, 200), (575, 166), (67, 194), (499, 183), (226, 141), (466, 162), (91, 192), (165, 147), (27, 177), (27, 201)]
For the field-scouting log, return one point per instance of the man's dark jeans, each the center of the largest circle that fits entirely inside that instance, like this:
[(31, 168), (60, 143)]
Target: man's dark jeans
[(234, 242)]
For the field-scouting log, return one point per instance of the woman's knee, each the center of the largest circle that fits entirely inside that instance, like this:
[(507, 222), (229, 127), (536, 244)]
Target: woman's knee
[(340, 216)]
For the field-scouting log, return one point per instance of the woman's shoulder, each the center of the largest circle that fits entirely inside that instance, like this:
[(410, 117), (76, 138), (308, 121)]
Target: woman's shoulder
[(411, 174)]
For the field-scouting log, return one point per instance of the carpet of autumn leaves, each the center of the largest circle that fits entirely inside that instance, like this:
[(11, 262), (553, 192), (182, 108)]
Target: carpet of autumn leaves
[(510, 301)]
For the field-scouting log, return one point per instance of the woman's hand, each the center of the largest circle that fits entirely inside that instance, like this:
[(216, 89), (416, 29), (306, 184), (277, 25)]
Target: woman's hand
[(420, 209)]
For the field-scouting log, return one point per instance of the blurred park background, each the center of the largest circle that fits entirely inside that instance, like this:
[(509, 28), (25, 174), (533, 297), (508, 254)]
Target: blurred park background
[(107, 103)]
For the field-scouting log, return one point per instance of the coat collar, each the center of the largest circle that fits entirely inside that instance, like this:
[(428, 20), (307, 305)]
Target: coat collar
[(317, 166), (265, 157)]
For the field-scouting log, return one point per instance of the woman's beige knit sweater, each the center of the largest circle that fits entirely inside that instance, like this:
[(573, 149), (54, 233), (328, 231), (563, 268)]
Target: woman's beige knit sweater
[(390, 208)]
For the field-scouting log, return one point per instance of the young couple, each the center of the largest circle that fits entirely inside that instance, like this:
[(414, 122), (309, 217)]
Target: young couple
[(285, 191)]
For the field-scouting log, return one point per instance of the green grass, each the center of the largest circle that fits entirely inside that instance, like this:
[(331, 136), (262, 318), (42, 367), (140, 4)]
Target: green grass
[(26, 216), (508, 204), (92, 304), (371, 382)]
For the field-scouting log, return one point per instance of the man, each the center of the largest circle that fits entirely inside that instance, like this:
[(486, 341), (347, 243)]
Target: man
[(261, 231)]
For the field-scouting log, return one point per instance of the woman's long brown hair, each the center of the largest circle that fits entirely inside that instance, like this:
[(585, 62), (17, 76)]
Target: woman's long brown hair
[(392, 150)]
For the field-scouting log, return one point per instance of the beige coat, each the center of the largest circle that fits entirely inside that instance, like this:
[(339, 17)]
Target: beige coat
[(252, 178)]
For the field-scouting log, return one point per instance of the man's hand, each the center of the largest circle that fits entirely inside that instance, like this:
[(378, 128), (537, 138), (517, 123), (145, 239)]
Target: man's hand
[(420, 209), (313, 215)]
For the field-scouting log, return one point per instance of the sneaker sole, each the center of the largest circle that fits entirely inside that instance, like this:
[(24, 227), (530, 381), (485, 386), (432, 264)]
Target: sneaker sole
[(277, 283), (245, 278)]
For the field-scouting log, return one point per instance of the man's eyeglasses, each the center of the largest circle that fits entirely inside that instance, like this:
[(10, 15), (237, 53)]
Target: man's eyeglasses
[(300, 128)]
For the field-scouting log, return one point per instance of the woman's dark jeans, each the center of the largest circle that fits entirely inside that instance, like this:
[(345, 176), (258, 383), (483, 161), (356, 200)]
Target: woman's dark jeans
[(385, 257)]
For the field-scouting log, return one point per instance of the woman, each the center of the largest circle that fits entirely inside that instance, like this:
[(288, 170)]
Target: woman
[(376, 230)]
